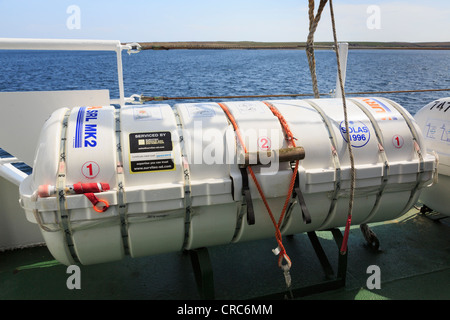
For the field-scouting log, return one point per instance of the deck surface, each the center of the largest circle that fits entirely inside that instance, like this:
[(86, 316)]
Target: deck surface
[(413, 259)]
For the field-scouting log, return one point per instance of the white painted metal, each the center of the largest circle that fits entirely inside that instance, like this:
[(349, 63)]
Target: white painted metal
[(11, 173), (15, 230), (59, 44), (343, 54)]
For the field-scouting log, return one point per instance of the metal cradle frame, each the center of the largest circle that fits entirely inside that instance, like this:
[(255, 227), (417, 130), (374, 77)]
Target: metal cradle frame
[(203, 271)]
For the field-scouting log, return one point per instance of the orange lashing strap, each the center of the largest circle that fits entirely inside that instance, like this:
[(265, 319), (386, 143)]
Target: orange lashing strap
[(280, 251), (295, 185)]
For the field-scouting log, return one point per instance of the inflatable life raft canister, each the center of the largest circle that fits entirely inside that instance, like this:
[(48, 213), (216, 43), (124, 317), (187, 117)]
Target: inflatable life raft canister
[(434, 121), (148, 179)]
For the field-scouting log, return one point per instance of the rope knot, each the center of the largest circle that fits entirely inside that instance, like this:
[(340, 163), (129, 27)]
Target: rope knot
[(309, 48)]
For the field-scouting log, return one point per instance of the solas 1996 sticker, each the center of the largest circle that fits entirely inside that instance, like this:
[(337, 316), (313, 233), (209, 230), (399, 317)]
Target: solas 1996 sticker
[(359, 133), (151, 151)]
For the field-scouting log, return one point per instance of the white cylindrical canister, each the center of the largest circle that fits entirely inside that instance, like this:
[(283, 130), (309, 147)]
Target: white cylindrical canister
[(174, 178), (434, 120)]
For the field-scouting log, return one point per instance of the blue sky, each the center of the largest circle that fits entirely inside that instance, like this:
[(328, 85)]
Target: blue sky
[(231, 20)]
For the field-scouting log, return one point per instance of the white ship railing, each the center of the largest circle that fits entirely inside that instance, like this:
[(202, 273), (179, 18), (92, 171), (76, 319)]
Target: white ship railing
[(11, 173), (76, 45), (7, 170)]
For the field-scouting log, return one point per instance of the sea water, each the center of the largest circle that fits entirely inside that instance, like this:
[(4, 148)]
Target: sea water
[(187, 73)]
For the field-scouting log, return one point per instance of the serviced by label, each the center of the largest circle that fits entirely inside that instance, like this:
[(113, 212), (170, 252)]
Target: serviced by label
[(151, 151)]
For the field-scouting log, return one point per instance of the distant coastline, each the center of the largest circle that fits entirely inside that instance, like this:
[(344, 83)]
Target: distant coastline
[(250, 45)]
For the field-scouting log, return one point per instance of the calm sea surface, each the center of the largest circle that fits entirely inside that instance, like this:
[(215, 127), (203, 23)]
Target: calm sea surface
[(178, 73)]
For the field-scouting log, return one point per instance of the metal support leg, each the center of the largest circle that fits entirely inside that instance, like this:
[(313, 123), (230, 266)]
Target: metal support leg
[(203, 271), (333, 281), (326, 266), (430, 214), (342, 260)]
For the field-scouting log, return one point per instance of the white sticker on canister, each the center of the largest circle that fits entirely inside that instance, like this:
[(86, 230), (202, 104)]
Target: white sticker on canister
[(249, 107), (202, 110), (146, 113)]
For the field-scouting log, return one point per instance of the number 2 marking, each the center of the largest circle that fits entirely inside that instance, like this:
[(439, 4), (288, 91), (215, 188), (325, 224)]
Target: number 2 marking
[(264, 143)]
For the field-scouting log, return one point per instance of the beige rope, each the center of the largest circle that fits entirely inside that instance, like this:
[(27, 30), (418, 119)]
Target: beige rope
[(313, 22), (349, 145)]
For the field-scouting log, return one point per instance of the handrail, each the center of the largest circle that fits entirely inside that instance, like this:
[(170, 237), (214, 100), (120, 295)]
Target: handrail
[(58, 44), (75, 44)]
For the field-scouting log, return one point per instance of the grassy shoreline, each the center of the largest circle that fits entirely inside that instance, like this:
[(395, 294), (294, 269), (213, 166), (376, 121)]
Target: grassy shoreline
[(251, 45)]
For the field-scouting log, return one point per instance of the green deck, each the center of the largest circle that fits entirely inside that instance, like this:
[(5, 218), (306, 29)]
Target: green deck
[(414, 260)]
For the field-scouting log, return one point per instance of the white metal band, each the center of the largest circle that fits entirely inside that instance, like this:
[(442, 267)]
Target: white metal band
[(187, 182), (121, 201), (64, 218), (383, 156), (418, 150), (337, 164)]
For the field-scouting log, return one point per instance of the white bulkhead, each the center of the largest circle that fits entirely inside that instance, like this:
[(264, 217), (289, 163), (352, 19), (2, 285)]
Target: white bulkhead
[(176, 180)]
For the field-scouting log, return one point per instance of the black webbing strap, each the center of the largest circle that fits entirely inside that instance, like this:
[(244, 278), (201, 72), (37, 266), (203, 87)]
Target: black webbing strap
[(248, 197), (298, 193)]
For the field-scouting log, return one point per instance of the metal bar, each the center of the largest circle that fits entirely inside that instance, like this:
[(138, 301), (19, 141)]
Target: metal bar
[(343, 53), (59, 44), (282, 155), (120, 75), (326, 266), (73, 45), (324, 286), (342, 259), (12, 174)]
